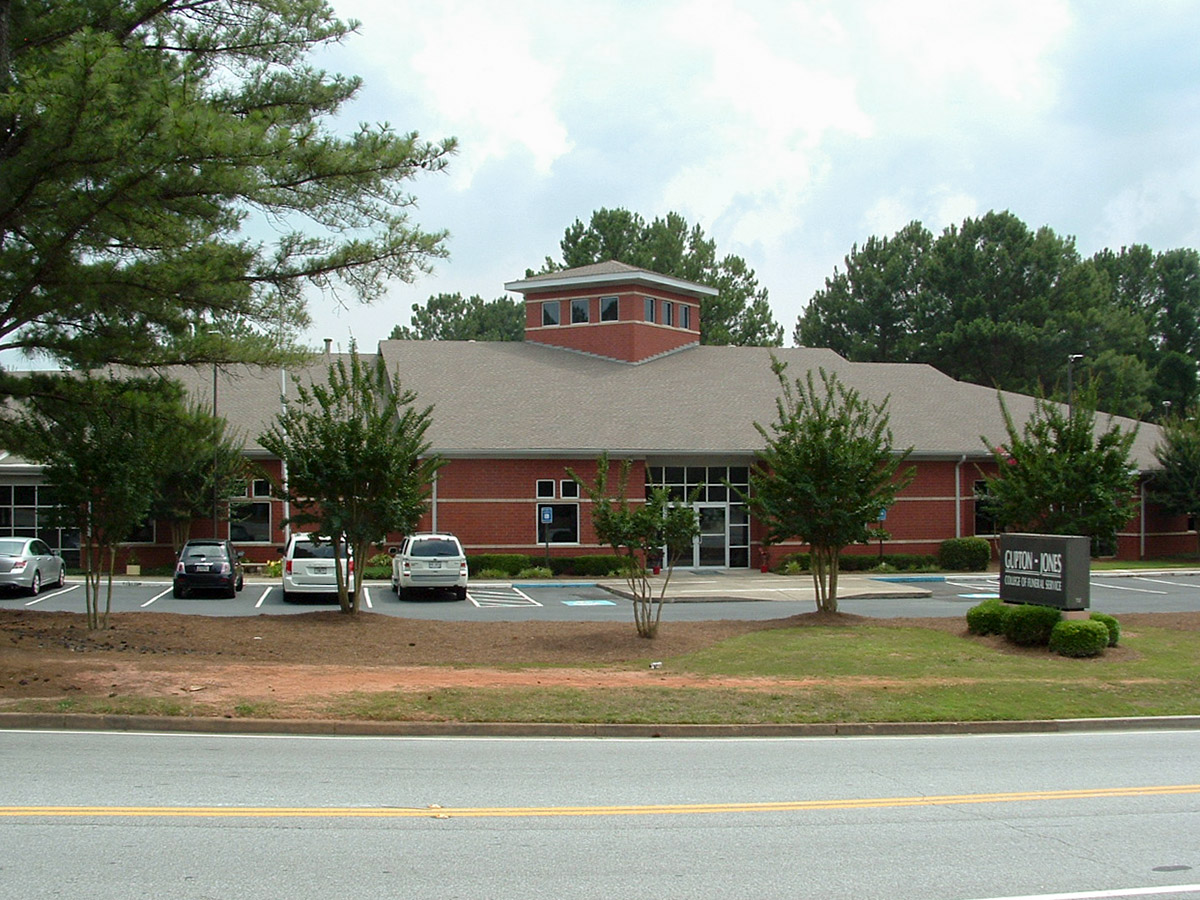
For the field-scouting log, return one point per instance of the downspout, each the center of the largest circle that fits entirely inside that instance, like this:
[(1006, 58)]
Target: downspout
[(1142, 520), (958, 495), (433, 504)]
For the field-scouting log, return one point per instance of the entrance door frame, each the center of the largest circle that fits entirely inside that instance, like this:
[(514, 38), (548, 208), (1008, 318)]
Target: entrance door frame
[(724, 507)]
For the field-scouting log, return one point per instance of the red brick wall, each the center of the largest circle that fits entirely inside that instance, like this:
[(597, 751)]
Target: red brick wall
[(630, 338)]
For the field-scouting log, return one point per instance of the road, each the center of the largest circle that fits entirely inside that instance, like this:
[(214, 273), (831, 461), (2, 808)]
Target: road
[(124, 815), (586, 602)]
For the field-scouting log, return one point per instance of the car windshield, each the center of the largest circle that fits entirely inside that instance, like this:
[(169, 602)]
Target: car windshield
[(204, 551), (12, 548), (434, 547), (309, 550)]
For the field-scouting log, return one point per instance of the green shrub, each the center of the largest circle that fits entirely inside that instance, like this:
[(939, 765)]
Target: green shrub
[(1029, 625), (1079, 637), (1113, 626), (970, 554), (508, 563), (988, 617), (798, 563), (535, 572), (490, 573), (595, 566), (380, 561)]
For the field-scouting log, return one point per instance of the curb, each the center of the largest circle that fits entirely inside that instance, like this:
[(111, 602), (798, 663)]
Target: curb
[(342, 727)]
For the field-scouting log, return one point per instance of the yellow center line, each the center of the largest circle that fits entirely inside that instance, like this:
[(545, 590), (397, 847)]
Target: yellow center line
[(386, 812)]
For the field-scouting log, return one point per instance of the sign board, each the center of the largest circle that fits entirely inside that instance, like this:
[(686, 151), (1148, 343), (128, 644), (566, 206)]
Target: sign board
[(547, 514), (1046, 569)]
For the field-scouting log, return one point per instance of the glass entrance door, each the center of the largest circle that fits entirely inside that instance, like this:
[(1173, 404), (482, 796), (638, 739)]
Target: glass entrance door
[(712, 546)]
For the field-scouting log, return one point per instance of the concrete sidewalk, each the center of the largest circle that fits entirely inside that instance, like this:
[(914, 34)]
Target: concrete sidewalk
[(731, 585)]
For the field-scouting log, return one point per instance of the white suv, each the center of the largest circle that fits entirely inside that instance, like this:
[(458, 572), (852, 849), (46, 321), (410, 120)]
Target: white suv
[(308, 566), (429, 561)]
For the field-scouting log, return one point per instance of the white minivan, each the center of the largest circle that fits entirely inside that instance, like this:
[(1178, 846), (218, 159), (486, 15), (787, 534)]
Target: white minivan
[(308, 566), (432, 562)]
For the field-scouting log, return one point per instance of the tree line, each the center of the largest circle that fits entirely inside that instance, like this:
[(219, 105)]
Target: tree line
[(994, 302)]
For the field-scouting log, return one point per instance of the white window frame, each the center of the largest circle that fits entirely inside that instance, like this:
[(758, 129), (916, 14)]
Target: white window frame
[(544, 490), (551, 309), (581, 311)]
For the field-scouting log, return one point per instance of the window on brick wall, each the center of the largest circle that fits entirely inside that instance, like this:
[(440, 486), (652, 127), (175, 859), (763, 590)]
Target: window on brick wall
[(985, 521), (579, 312), (609, 309), (648, 314), (568, 489), (558, 523), (545, 488), (550, 312)]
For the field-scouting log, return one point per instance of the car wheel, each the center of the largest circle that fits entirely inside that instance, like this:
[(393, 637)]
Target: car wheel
[(35, 585), (177, 592), (231, 591), (460, 593), (62, 577), (402, 592), (288, 596), (241, 583)]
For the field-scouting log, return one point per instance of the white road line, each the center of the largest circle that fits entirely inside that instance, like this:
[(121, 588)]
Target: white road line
[(1117, 587), (1097, 895), (367, 597), (471, 597), (40, 597), (155, 597), (1172, 583), (263, 597)]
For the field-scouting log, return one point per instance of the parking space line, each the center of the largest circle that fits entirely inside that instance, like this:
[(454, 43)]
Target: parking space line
[(263, 597), (1117, 587), (367, 597), (155, 597), (1171, 583), (40, 597), (499, 595)]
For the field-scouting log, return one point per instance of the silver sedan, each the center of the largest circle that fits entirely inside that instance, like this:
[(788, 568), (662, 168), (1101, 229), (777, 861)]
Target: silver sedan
[(28, 564)]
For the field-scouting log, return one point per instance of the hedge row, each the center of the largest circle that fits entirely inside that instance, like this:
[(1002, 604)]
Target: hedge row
[(512, 564), (1030, 625), (895, 562), (969, 554)]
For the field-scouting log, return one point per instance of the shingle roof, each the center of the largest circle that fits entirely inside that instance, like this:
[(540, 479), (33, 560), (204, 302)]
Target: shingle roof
[(524, 398), (611, 273)]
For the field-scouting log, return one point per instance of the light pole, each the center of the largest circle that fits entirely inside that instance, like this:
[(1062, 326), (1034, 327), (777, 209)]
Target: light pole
[(214, 331), (1071, 357)]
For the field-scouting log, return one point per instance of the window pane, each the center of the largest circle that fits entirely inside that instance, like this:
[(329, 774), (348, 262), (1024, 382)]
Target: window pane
[(545, 487), (569, 489), (739, 475), (563, 527), (674, 475), (685, 316), (550, 312), (250, 522), (668, 313), (609, 309), (649, 312), (25, 495), (579, 312), (696, 475)]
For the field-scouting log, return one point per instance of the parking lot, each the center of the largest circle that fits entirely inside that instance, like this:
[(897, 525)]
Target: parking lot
[(698, 595)]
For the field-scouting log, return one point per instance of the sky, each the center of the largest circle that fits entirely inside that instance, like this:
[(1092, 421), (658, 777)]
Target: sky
[(789, 131)]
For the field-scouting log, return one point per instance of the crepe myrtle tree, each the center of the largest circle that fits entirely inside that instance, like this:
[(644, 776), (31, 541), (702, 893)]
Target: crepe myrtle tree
[(827, 469), (82, 429), (640, 532), (1058, 474), (357, 460)]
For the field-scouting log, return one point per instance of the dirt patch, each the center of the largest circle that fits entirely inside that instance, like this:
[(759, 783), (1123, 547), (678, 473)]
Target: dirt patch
[(285, 659)]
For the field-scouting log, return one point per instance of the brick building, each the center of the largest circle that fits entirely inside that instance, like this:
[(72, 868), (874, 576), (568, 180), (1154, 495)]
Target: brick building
[(612, 362)]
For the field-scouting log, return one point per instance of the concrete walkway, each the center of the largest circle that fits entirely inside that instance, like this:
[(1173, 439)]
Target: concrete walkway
[(731, 585)]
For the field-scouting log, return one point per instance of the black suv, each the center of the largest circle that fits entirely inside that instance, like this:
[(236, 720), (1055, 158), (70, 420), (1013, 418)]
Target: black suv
[(208, 565)]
